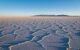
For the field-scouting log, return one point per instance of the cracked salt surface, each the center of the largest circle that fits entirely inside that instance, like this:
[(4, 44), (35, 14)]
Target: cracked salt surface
[(40, 34)]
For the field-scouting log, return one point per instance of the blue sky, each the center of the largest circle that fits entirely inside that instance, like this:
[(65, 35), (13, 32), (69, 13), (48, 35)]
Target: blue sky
[(35, 7)]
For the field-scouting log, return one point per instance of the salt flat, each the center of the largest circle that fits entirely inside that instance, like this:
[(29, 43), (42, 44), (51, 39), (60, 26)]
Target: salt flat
[(39, 33)]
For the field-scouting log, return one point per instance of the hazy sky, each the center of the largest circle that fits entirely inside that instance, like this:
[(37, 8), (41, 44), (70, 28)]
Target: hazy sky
[(33, 7)]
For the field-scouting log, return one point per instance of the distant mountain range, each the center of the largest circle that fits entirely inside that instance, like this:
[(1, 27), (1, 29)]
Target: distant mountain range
[(52, 15)]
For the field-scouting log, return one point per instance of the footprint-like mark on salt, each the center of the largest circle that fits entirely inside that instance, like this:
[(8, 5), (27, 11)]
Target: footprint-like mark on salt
[(77, 33)]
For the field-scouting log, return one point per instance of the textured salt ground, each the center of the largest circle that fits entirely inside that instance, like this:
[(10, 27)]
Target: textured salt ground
[(39, 34)]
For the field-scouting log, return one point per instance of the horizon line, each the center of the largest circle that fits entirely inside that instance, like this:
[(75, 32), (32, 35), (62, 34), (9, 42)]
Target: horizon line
[(41, 15)]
